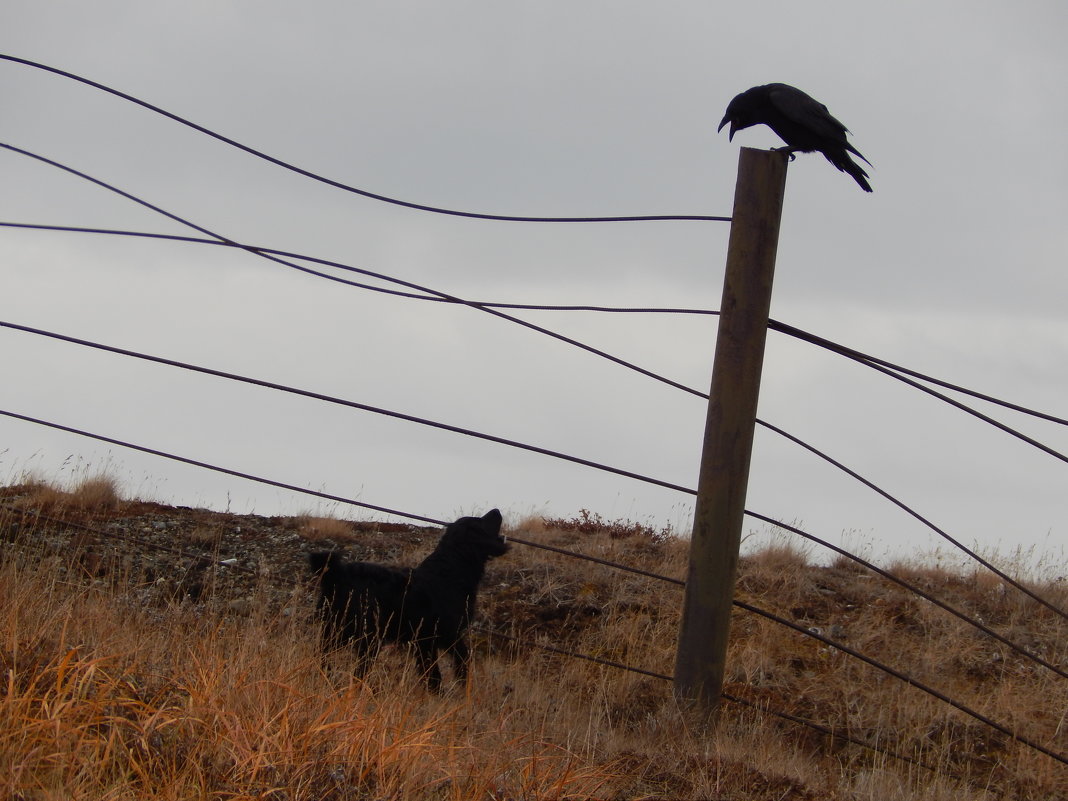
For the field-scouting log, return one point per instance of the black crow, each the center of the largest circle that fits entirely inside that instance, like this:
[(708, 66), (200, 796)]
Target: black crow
[(802, 122)]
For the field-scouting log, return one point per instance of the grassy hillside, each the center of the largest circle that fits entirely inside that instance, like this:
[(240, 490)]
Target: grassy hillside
[(130, 671)]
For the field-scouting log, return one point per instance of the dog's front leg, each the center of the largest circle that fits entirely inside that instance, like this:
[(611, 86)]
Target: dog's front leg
[(367, 647), (331, 637), (326, 647), (461, 658)]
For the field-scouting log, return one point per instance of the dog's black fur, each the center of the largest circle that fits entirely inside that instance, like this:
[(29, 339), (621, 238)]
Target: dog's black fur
[(429, 606)]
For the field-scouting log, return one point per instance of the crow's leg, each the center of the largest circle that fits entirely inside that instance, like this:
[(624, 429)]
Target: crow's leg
[(789, 151)]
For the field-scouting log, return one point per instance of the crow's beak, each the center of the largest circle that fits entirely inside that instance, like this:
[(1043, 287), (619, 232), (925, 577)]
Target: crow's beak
[(724, 121)]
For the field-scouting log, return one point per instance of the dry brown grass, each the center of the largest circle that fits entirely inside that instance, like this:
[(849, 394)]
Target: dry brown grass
[(317, 529), (104, 698), (93, 495)]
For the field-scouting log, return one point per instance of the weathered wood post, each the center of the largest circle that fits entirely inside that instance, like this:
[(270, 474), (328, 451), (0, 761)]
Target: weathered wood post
[(728, 444)]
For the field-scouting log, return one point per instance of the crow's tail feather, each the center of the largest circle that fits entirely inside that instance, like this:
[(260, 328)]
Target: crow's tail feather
[(847, 165), (858, 174), (858, 154)]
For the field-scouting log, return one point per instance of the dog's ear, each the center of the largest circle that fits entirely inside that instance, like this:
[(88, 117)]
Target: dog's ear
[(493, 518), (321, 560)]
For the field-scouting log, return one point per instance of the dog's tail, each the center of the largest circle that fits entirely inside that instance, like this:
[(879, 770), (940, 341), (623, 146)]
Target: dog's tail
[(322, 561)]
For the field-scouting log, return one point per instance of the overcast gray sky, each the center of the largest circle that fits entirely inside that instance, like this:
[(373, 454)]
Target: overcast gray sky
[(954, 266)]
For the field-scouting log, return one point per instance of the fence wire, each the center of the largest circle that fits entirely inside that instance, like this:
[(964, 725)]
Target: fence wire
[(597, 660), (338, 184)]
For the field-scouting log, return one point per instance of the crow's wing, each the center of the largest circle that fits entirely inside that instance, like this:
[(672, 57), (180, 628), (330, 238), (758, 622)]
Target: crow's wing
[(804, 110)]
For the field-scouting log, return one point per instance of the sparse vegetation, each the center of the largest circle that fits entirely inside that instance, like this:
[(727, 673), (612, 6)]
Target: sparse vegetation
[(111, 689), (317, 529), (94, 495), (587, 522)]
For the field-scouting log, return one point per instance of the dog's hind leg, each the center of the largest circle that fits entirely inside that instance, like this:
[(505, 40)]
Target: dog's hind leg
[(426, 652)]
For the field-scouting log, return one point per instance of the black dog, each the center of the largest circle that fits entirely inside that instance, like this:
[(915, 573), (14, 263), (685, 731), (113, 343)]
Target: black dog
[(429, 606)]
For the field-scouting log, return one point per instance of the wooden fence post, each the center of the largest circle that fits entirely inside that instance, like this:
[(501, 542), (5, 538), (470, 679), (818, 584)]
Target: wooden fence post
[(728, 444)]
